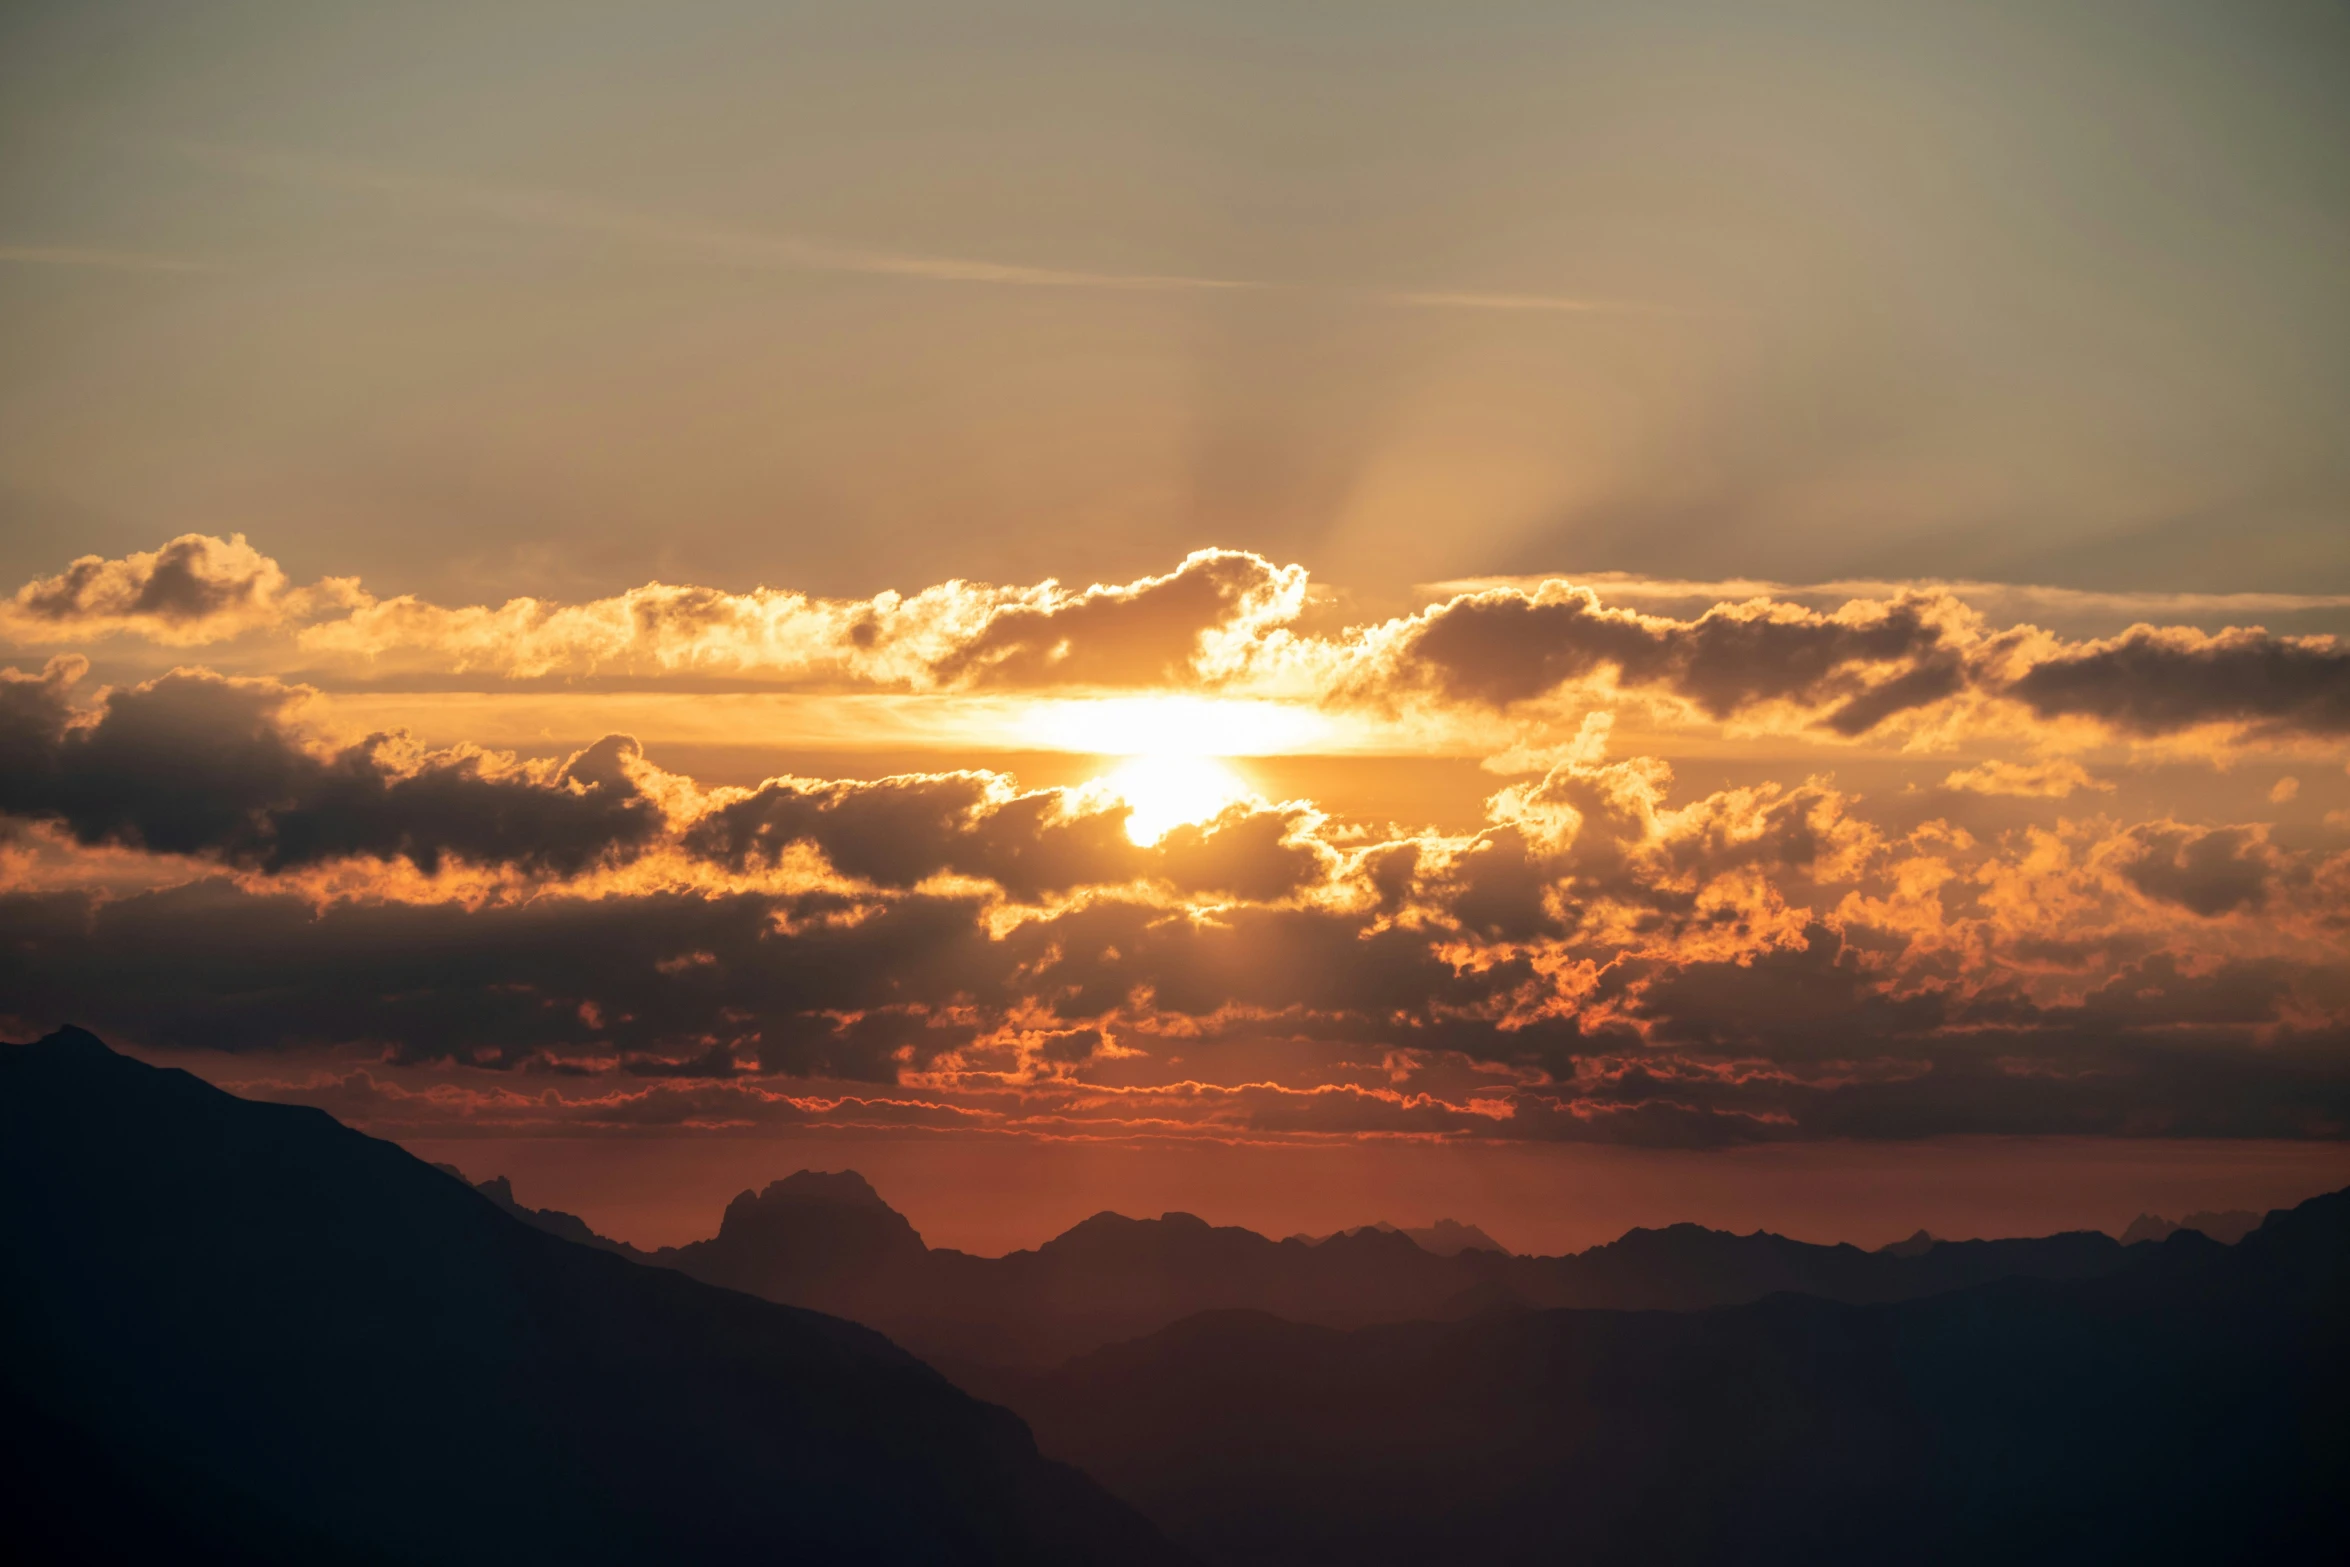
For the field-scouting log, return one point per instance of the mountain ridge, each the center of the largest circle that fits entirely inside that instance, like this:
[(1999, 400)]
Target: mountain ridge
[(369, 1361), (2184, 1408), (1111, 1277)]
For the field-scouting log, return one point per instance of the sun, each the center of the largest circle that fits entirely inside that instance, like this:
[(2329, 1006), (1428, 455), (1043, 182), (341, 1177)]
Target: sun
[(1170, 790), (1168, 750)]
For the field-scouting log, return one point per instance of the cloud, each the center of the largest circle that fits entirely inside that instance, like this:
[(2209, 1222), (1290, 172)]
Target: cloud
[(1751, 963), (1189, 626), (1992, 598), (2025, 780), (1603, 954), (2209, 870), (899, 832), (709, 243), (1155, 631), (197, 764), (194, 590), (1863, 663), (2155, 680), (1920, 665), (1851, 670)]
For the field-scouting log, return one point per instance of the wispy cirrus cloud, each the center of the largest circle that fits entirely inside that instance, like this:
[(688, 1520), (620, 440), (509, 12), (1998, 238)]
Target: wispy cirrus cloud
[(711, 243), (728, 245), (1553, 304)]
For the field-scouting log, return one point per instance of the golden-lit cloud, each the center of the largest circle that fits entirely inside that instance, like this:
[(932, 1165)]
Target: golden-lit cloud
[(1154, 948), (1916, 668), (2030, 780), (195, 590)]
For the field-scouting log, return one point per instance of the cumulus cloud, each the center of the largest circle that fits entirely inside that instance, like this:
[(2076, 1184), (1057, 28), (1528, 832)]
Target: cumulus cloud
[(2155, 680), (1862, 663), (197, 764), (2208, 870), (1833, 1033), (194, 590), (1753, 962), (1603, 954), (1197, 620), (1914, 660), (898, 832), (1851, 670), (1195, 623)]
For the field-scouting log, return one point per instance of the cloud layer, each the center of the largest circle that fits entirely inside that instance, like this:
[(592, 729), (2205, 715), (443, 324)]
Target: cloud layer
[(1918, 664), (1607, 955)]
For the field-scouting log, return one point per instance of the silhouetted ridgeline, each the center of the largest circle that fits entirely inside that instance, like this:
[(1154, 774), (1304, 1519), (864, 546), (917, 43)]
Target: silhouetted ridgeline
[(2188, 1408), (239, 1331), (2226, 1228), (830, 1242)]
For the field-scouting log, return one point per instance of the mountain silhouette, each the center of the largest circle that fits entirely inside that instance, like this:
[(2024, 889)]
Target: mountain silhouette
[(2188, 1408), (2226, 1228), (1444, 1238), (554, 1221), (812, 1236), (242, 1331), (831, 1243)]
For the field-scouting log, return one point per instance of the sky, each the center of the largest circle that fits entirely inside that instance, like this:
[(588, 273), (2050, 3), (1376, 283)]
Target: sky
[(1565, 615)]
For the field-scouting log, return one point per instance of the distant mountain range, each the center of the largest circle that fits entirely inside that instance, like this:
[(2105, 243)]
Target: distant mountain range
[(1444, 1238), (830, 1242), (2192, 1407), (241, 1332), (2226, 1228)]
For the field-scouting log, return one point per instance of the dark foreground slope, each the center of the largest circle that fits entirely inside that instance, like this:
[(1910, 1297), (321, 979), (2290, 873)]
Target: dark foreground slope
[(2189, 1408), (242, 1331)]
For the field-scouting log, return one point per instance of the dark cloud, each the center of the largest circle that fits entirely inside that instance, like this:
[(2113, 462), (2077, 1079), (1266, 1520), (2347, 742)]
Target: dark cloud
[(899, 832), (785, 979), (2155, 681), (1816, 1039), (2209, 870), (1503, 647), (193, 763), (896, 832), (1596, 963), (1869, 662), (1254, 854), (196, 764), (1824, 999)]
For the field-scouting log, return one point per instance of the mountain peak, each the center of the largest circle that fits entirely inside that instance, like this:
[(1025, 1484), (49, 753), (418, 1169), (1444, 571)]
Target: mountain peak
[(836, 1186), (72, 1039)]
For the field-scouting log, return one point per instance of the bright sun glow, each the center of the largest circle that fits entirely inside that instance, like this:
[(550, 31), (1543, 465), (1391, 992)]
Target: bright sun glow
[(1170, 791), (1174, 726), (1168, 747)]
